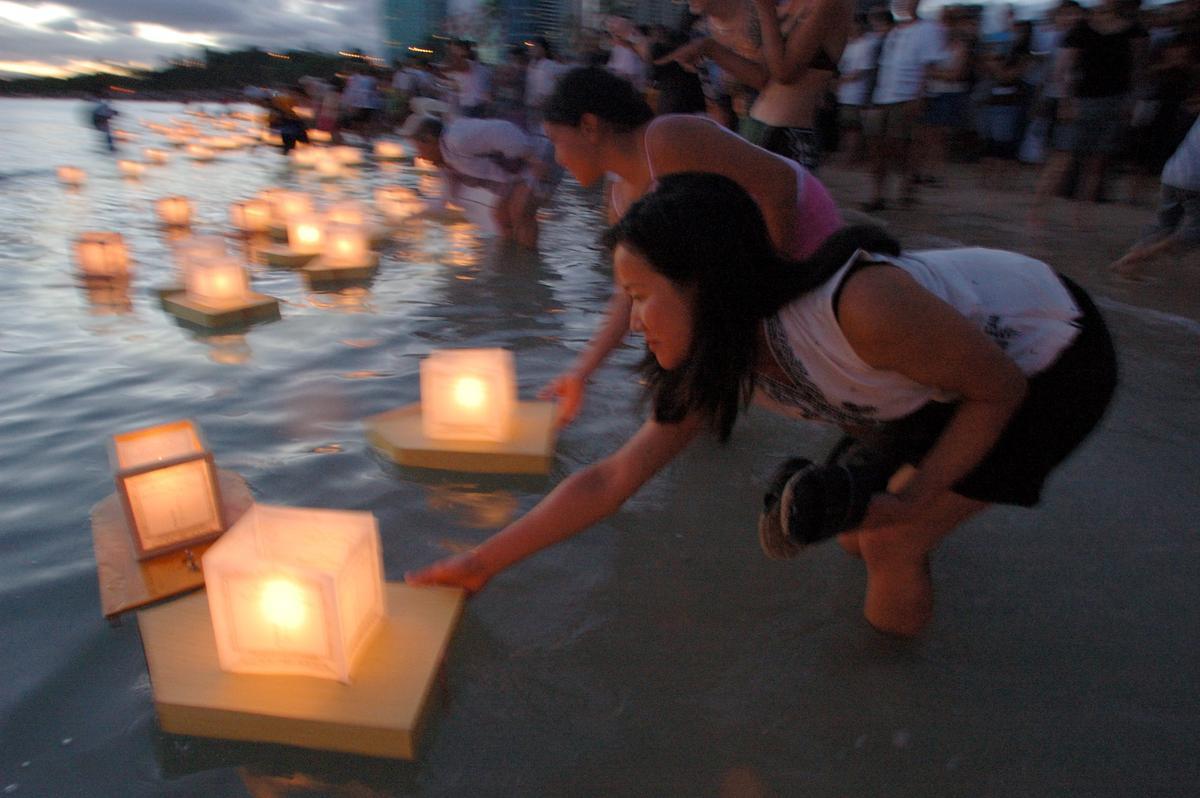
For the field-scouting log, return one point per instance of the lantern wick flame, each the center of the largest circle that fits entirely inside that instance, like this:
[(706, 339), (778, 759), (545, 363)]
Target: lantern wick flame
[(470, 392), (282, 604)]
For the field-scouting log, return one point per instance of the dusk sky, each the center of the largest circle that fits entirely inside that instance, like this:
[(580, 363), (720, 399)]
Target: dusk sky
[(67, 36)]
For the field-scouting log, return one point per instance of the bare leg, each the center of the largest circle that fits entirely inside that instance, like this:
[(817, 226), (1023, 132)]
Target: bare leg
[(1048, 182), (899, 598)]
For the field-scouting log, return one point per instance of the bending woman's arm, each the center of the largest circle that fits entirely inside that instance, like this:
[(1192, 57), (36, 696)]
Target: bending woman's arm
[(582, 499), (894, 324)]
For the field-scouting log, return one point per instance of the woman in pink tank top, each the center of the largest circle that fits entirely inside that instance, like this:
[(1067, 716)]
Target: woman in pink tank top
[(600, 125)]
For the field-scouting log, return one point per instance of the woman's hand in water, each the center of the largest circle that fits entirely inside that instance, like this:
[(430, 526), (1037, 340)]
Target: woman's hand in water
[(568, 389), (462, 570)]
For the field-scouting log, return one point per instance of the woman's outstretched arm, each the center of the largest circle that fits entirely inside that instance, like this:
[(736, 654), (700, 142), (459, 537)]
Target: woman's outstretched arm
[(582, 499)]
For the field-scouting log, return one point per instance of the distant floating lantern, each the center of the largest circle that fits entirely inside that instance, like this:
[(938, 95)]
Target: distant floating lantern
[(131, 169), (286, 204), (424, 165), (216, 281), (347, 212), (390, 150), (398, 203), (102, 255), (345, 245), (174, 211), (155, 156), (250, 216), (350, 156), (328, 167), (71, 176), (306, 157), (320, 136), (306, 235), (198, 152), (168, 486), (468, 394), (295, 591)]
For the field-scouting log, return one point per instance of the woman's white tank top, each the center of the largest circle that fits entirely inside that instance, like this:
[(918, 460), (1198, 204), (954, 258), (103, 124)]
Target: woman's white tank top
[(1015, 300)]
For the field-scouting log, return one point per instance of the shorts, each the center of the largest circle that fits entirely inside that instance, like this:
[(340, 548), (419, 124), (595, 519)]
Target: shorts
[(1064, 403), (894, 121), (1097, 127), (1178, 215), (798, 143), (850, 117)]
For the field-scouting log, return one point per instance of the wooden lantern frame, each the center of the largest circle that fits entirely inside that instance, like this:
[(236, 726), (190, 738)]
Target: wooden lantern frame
[(201, 461)]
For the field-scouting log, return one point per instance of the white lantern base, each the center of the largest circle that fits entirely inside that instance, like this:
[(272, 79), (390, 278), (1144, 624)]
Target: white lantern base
[(282, 256), (319, 270), (380, 713), (127, 583), (398, 435), (255, 308)]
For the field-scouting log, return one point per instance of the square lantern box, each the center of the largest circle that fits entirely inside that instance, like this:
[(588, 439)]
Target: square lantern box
[(71, 176), (305, 241), (251, 216), (174, 211), (346, 256), (168, 487), (468, 419), (297, 639), (102, 255), (218, 296), (295, 591)]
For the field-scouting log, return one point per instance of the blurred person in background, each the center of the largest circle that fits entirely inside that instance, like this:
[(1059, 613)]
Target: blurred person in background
[(856, 78)]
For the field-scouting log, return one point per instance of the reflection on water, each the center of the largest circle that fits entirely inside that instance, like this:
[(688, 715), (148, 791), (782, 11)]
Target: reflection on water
[(473, 507), (231, 350), (350, 299), (108, 297)]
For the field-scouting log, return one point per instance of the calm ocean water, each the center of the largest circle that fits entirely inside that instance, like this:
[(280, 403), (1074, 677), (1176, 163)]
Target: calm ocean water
[(659, 653)]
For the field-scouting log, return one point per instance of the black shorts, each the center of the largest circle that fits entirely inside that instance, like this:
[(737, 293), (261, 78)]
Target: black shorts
[(1063, 405)]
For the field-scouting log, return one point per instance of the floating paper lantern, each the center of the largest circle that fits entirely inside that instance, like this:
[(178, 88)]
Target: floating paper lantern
[(306, 157), (174, 211), (131, 169), (286, 204), (168, 486), (198, 152), (424, 165), (398, 203), (250, 216), (468, 394), (71, 176), (347, 212), (155, 156), (347, 155), (295, 591), (389, 150), (320, 136), (216, 281), (345, 245), (102, 255), (328, 167), (306, 234)]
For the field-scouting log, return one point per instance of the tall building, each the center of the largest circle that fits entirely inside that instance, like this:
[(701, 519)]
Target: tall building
[(408, 23)]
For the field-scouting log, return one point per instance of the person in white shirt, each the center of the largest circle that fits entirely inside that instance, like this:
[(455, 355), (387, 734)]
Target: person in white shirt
[(541, 76), (910, 49), (361, 103), (856, 70), (623, 60), (1178, 224), (469, 81), (498, 156)]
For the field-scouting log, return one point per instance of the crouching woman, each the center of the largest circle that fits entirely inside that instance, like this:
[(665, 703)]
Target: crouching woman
[(980, 368)]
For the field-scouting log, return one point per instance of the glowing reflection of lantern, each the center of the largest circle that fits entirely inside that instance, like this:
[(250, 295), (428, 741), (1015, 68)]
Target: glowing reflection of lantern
[(198, 152), (328, 167), (250, 216), (345, 245), (174, 211), (155, 156), (397, 203), (389, 150), (102, 254), (216, 281), (347, 155), (306, 235), (71, 176), (131, 169), (168, 487), (295, 591), (347, 212), (468, 394)]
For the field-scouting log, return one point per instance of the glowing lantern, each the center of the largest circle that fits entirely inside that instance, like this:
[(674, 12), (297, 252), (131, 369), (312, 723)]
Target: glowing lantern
[(295, 591), (131, 169), (286, 204), (389, 150), (424, 165), (216, 281), (328, 167), (168, 487), (306, 235), (347, 212), (174, 211), (306, 157), (345, 245), (250, 216), (198, 152), (155, 156), (102, 255), (347, 155), (71, 176), (398, 203), (320, 136), (468, 394)]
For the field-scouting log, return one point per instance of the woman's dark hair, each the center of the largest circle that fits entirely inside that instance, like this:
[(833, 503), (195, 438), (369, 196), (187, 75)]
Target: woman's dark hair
[(706, 235), (595, 90)]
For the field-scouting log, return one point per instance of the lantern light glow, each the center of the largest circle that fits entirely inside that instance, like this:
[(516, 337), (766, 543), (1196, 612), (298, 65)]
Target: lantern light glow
[(468, 394), (102, 255)]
